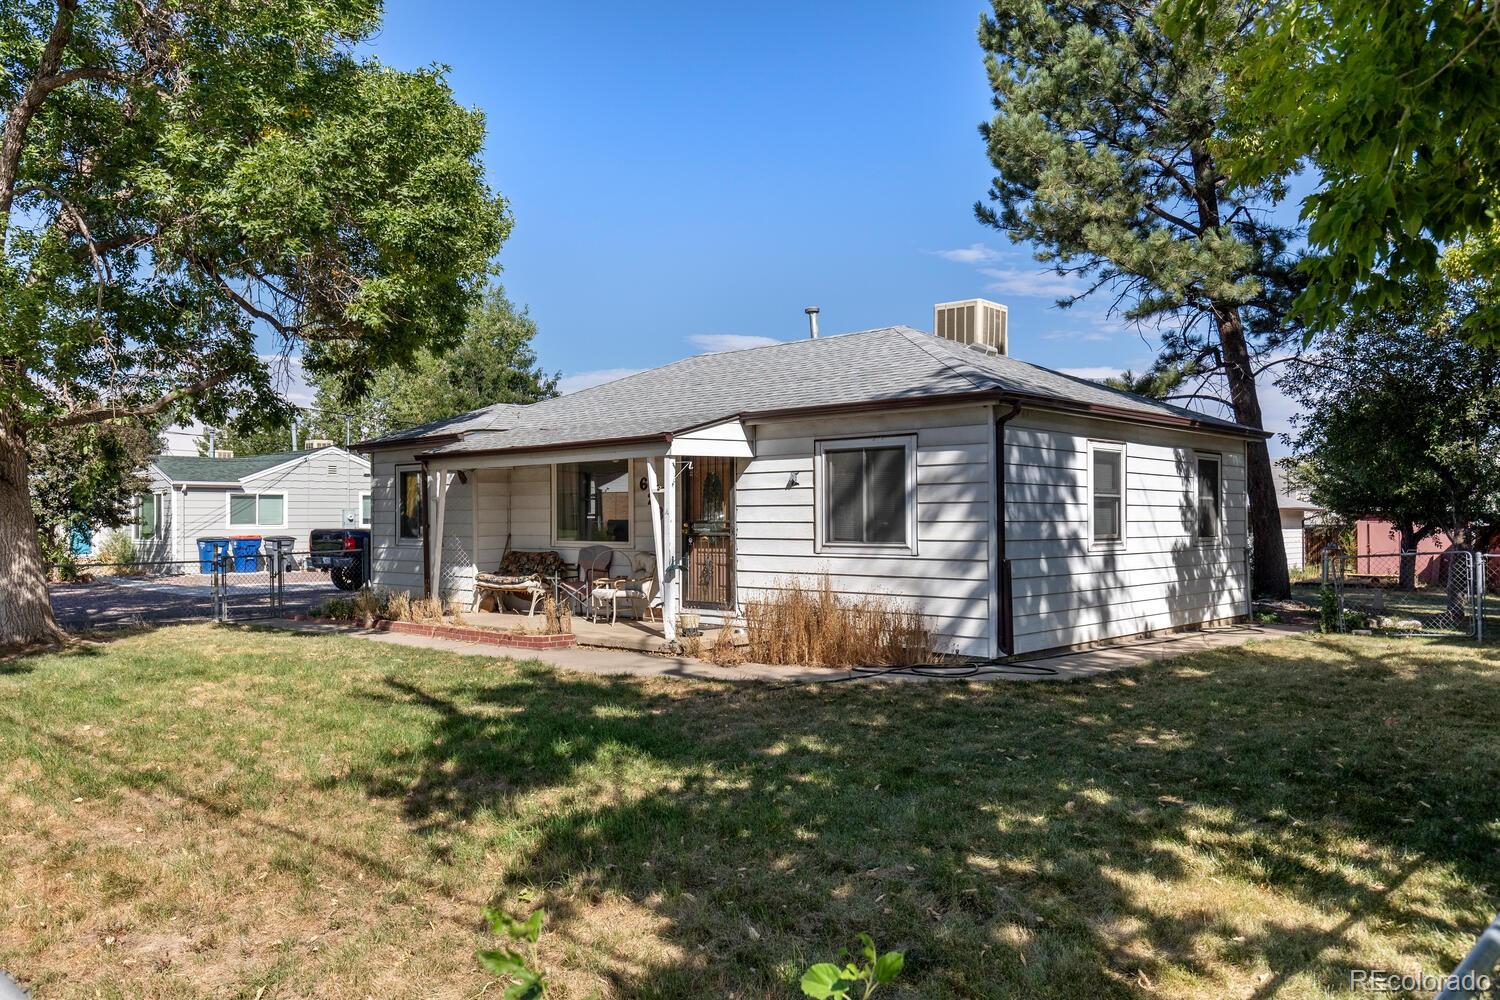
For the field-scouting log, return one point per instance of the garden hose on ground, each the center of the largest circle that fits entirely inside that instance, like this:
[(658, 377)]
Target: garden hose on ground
[(935, 671)]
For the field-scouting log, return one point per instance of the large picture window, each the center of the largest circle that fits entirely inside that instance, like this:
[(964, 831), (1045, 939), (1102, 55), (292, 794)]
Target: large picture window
[(257, 510), (867, 494), (1210, 498), (409, 504), (1106, 492), (591, 502)]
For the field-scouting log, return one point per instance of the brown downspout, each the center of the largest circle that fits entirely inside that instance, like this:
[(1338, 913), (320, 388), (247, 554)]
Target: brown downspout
[(1007, 616), (426, 538)]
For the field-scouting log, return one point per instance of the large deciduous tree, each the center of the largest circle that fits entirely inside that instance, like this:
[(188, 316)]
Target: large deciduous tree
[(1392, 107), (86, 477), (183, 181), (1103, 143), (1400, 413)]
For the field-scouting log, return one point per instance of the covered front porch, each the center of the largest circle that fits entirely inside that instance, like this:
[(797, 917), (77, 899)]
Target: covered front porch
[(657, 513)]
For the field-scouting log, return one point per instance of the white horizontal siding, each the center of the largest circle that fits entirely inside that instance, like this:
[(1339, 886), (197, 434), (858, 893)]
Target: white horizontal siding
[(1068, 591), (947, 579)]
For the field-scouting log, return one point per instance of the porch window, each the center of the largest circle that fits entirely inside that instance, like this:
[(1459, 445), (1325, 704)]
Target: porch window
[(257, 510), (591, 502), (409, 504), (1106, 492), (867, 493), (1210, 498), (148, 517)]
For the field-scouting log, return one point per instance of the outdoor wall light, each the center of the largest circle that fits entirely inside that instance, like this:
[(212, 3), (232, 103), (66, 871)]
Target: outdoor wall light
[(791, 481)]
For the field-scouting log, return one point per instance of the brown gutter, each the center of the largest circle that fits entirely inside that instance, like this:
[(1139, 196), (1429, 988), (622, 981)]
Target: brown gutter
[(566, 446), (378, 444)]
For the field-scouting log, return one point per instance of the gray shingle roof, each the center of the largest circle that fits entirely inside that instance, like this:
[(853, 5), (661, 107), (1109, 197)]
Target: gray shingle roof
[(888, 364), (1286, 495), (193, 469)]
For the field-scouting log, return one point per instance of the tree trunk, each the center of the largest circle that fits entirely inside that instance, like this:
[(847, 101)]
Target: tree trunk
[(1268, 553), (1407, 540), (25, 609)]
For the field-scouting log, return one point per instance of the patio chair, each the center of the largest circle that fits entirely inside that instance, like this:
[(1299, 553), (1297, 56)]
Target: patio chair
[(593, 565), (639, 588)]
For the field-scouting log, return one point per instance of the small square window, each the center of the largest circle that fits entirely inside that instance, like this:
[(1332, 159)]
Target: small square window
[(866, 493)]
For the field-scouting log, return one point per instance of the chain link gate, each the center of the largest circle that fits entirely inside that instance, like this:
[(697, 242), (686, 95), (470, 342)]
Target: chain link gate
[(1410, 593), (279, 581)]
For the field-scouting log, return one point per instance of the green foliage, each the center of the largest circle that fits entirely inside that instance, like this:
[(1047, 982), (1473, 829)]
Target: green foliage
[(1400, 416), (187, 175), (493, 362), (83, 478), (519, 971), (1328, 609), (826, 981), (118, 549), (1392, 107)]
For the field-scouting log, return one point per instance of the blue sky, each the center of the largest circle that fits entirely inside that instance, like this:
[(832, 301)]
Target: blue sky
[(683, 179)]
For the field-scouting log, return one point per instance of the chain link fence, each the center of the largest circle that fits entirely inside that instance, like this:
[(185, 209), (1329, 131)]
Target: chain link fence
[(224, 587), (1408, 593)]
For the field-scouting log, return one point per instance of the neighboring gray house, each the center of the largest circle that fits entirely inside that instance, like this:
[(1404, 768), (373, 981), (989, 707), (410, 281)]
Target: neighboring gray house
[(289, 493), (870, 457), (1296, 510)]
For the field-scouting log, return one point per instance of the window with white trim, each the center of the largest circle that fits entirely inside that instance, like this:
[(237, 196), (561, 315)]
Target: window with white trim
[(1106, 492), (867, 493), (1210, 491), (364, 509), (148, 516), (257, 510)]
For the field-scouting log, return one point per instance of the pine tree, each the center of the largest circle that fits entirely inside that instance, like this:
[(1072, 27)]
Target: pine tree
[(1103, 141)]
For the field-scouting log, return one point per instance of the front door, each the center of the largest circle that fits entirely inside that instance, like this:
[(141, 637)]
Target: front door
[(708, 533)]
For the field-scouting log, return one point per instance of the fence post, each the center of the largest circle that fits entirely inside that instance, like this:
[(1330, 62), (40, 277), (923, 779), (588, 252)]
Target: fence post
[(1478, 580)]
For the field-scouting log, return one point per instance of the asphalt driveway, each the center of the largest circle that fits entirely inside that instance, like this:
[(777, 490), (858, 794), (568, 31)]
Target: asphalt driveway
[(122, 600)]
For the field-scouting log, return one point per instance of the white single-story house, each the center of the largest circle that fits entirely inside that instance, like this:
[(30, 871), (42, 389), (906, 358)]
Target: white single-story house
[(875, 458), (1296, 511), (288, 493)]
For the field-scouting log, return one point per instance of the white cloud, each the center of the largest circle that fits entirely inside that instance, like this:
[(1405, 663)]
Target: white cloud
[(713, 343), (587, 380), (289, 378), (1023, 283), (974, 253)]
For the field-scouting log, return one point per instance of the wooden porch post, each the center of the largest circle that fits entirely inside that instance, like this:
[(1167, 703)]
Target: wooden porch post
[(440, 484), (667, 542)]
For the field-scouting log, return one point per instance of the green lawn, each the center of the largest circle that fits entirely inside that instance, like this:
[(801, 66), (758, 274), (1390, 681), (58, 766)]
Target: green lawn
[(204, 811)]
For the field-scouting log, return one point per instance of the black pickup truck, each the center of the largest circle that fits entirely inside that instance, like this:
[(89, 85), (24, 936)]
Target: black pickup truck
[(344, 552)]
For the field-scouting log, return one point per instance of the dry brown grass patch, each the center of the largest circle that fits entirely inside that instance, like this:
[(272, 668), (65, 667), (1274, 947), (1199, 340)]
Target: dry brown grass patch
[(811, 625)]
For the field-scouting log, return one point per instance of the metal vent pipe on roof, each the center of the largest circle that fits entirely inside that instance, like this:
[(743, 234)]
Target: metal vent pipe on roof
[(812, 321)]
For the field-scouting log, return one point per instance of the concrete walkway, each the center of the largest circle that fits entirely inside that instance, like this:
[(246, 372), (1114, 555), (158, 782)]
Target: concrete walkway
[(615, 662)]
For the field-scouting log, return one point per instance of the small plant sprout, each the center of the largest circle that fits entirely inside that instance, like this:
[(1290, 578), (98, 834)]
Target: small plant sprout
[(826, 981), (519, 971)]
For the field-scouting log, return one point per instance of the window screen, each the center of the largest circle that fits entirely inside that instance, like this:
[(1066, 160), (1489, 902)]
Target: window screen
[(242, 510), (364, 509), (1108, 499), (149, 516), (271, 508), (867, 496)]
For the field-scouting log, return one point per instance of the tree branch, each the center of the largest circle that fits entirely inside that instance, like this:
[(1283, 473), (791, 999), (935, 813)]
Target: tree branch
[(99, 414), (19, 120)]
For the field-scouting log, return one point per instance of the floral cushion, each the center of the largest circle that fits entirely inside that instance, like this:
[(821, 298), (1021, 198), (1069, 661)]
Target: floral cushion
[(505, 580), (521, 563)]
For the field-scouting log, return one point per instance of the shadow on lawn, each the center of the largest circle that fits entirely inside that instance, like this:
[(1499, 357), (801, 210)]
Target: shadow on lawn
[(1012, 839)]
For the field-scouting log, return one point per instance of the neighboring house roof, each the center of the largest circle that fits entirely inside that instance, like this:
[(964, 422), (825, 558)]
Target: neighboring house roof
[(1286, 495), (891, 365), (201, 469)]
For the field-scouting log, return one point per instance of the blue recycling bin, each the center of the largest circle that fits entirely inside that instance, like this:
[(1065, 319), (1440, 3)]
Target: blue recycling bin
[(209, 548), (246, 553)]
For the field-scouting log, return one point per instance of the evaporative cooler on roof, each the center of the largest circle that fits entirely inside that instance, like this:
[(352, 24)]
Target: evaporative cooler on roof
[(973, 321)]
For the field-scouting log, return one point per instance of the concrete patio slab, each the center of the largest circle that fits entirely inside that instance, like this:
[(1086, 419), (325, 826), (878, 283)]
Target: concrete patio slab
[(612, 662)]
